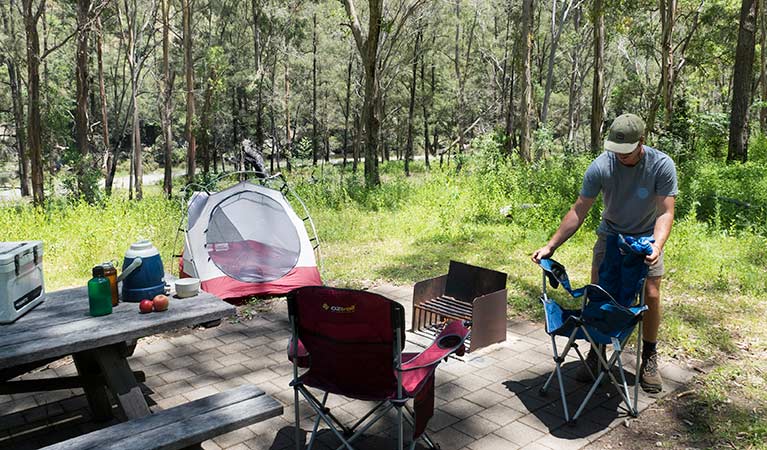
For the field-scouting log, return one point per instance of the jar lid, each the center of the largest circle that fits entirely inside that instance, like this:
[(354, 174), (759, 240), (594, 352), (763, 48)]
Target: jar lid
[(98, 271)]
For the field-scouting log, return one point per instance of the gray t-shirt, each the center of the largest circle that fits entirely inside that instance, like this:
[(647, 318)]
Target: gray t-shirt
[(629, 193)]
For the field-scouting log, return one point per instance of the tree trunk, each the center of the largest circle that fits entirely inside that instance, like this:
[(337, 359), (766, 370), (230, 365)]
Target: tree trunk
[(257, 50), (357, 141), (347, 105), (81, 98), (166, 109), (597, 104), (433, 85), (191, 151), (368, 48), (505, 66), (574, 91), (556, 33), (459, 80), (236, 127), (527, 82), (133, 63), (108, 155), (372, 101), (737, 149), (763, 66), (425, 103), (34, 122), (411, 107), (314, 89), (511, 135), (204, 129), (288, 132), (14, 80), (668, 17), (276, 149)]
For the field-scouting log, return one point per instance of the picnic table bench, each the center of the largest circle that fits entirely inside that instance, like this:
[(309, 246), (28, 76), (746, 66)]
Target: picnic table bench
[(184, 425)]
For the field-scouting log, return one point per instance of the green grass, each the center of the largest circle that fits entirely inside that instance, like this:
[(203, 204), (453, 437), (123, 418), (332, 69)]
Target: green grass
[(729, 406)]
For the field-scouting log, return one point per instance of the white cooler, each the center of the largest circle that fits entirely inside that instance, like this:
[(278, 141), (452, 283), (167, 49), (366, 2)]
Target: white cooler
[(21, 278)]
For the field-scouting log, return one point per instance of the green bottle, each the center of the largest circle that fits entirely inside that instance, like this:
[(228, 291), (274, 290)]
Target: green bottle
[(99, 293)]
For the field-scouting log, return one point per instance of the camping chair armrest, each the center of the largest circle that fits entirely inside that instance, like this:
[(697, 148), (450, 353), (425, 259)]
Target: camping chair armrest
[(601, 290), (450, 340)]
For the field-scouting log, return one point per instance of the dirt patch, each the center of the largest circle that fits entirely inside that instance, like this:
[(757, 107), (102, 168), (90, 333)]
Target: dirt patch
[(660, 426)]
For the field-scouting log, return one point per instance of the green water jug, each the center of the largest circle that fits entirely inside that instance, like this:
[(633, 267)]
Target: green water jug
[(99, 293)]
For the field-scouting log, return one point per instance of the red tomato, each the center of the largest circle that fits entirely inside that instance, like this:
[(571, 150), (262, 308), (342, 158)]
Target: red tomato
[(146, 306)]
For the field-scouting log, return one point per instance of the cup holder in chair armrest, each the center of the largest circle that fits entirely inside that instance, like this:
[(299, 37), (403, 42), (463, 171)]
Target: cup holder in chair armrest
[(449, 341), (452, 342)]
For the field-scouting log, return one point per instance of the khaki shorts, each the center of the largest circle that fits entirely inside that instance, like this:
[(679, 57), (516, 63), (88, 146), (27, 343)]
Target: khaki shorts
[(656, 270)]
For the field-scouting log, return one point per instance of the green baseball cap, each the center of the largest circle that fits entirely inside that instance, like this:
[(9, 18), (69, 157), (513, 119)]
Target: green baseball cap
[(625, 133)]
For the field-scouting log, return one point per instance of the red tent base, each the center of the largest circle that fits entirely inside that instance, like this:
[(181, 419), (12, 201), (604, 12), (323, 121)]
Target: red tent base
[(234, 291)]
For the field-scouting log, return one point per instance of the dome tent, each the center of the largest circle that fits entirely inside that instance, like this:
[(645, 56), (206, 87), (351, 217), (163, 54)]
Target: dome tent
[(247, 240)]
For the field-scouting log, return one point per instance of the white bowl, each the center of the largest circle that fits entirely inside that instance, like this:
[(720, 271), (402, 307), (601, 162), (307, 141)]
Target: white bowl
[(187, 287)]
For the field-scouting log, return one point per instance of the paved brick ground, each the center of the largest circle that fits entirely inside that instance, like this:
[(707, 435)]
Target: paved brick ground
[(487, 400)]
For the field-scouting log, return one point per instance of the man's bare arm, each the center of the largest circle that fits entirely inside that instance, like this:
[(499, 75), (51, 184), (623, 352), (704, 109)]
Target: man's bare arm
[(663, 225), (569, 225)]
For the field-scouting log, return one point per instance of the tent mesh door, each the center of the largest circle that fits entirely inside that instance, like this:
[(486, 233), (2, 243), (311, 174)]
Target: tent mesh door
[(251, 238)]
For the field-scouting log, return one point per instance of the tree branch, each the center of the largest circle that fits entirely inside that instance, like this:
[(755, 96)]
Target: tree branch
[(355, 25)]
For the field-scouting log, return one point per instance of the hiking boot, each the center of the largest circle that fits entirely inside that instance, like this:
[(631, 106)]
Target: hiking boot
[(649, 377), (592, 361)]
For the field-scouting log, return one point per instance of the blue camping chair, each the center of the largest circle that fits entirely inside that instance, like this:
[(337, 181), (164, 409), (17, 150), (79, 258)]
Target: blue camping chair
[(610, 310)]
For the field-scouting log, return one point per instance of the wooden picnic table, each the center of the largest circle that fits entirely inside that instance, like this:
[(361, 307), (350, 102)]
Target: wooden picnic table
[(100, 346)]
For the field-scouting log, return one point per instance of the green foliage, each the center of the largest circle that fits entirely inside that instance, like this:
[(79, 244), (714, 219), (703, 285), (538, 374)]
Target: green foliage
[(729, 197), (80, 176)]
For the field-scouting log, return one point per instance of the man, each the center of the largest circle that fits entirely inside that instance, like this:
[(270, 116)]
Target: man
[(639, 187)]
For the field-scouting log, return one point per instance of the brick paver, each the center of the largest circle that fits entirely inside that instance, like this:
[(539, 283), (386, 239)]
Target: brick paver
[(485, 400)]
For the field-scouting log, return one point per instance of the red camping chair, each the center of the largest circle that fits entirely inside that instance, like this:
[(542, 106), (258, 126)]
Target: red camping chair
[(351, 343)]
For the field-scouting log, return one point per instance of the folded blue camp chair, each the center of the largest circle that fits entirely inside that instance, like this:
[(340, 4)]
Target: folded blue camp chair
[(610, 310)]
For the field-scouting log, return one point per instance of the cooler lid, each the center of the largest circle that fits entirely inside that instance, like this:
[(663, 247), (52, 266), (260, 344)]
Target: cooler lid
[(9, 250)]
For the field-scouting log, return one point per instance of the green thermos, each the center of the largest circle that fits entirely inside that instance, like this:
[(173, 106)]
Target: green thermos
[(99, 293)]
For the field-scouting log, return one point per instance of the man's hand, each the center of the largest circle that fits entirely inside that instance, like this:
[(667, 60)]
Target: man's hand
[(653, 258), (542, 253)]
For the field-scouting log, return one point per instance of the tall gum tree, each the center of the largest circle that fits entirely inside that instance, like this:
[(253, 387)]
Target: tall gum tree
[(12, 57), (191, 150), (525, 139), (375, 61), (598, 85), (32, 11), (367, 45), (737, 148)]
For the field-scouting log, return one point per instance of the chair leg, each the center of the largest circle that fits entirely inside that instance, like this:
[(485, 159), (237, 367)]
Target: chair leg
[(605, 367), (364, 428), (619, 351), (637, 375), (410, 418), (326, 417), (298, 418), (558, 359), (317, 423), (400, 437), (588, 396), (369, 413)]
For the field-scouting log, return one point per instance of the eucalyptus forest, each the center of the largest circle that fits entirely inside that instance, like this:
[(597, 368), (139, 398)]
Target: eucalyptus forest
[(89, 85)]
